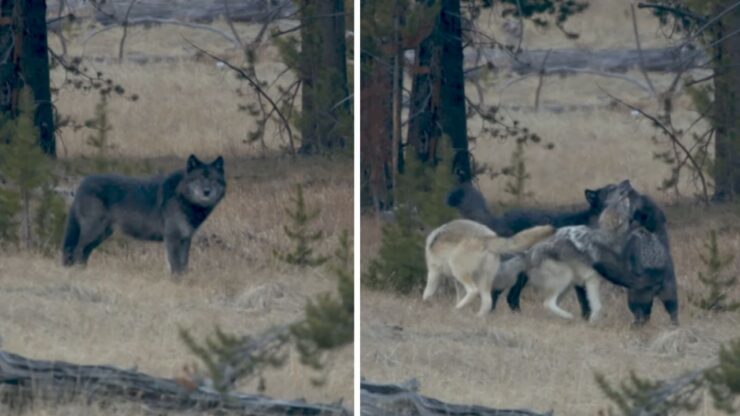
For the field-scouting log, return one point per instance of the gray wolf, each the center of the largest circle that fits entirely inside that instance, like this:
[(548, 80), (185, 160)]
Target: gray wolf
[(169, 209), (644, 264), (470, 252), (565, 260)]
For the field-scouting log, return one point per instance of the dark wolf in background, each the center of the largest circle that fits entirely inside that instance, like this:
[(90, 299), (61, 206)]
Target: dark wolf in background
[(168, 209), (471, 204)]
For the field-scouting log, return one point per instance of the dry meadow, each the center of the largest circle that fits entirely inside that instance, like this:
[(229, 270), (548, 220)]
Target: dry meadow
[(534, 360), (125, 309)]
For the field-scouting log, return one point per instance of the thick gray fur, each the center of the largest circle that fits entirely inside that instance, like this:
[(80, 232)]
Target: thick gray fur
[(169, 209)]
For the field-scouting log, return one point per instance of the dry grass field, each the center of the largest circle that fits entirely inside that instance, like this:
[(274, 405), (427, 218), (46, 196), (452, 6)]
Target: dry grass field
[(124, 309), (534, 360)]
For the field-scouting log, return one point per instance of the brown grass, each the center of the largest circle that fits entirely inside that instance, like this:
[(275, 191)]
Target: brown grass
[(537, 361), (186, 104), (534, 360), (124, 309)]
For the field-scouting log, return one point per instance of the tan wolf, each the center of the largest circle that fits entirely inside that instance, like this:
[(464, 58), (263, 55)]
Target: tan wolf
[(471, 253)]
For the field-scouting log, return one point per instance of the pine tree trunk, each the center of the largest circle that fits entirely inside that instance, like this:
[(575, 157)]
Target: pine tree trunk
[(375, 126), (324, 76), (727, 107), (452, 89), (24, 60), (423, 132), (9, 79), (438, 92)]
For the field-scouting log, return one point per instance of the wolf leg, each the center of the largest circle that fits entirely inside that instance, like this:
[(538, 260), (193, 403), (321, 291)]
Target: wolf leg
[(512, 298), (71, 238), (551, 303), (669, 296), (89, 247), (486, 301), (495, 293), (470, 290), (640, 303), (177, 253), (592, 293), (92, 233), (583, 301), (433, 278)]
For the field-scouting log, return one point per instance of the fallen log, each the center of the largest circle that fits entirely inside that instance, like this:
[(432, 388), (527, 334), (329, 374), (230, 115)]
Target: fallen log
[(23, 380), (573, 61), (201, 11), (403, 399)]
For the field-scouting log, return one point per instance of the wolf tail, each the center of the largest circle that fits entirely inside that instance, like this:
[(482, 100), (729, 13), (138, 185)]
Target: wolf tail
[(71, 238), (520, 241)]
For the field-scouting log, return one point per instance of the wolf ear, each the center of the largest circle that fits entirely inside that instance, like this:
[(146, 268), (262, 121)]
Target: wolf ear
[(592, 197), (625, 183), (193, 163), (219, 164)]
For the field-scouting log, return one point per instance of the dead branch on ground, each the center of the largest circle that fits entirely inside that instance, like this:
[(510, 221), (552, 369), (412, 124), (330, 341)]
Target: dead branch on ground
[(23, 380)]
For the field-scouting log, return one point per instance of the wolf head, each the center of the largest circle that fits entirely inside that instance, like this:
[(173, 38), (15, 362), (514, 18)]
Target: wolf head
[(600, 198), (204, 184), (616, 216)]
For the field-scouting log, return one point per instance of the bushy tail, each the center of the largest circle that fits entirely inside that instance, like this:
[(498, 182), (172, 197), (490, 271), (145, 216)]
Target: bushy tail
[(71, 238), (520, 241)]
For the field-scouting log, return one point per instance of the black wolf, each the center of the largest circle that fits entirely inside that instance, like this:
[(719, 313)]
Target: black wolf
[(472, 205), (644, 264), (168, 209)]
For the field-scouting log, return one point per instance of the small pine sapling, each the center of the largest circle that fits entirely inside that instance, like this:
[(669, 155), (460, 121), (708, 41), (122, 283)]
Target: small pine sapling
[(302, 254), (717, 287), (517, 172), (329, 320), (23, 165)]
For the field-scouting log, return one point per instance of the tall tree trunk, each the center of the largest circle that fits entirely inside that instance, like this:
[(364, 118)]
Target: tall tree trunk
[(9, 75), (24, 60), (452, 117), (375, 126), (727, 107), (325, 89), (423, 130), (438, 93)]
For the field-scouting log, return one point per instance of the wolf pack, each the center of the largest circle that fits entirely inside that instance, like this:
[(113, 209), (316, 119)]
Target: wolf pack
[(620, 237)]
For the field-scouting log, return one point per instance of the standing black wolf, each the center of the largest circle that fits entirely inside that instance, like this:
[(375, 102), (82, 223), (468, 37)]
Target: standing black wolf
[(168, 209), (644, 264)]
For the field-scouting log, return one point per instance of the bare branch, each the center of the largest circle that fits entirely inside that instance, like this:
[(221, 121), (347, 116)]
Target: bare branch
[(154, 20), (674, 139), (673, 10), (253, 83), (227, 16), (124, 24), (540, 82), (639, 50)]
